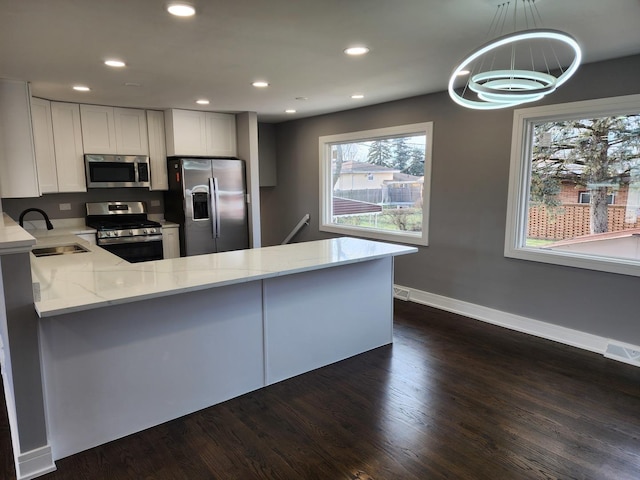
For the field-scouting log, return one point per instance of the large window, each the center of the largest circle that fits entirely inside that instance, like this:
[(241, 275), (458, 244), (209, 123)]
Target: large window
[(574, 192), (375, 183)]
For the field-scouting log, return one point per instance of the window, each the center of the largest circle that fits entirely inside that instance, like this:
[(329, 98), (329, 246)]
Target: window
[(375, 183), (585, 197), (591, 149)]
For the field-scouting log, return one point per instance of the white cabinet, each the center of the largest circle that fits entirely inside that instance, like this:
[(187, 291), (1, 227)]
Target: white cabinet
[(170, 241), (98, 129), (43, 145), (131, 131), (67, 139), (220, 134), (200, 133), (112, 130), (157, 150), (18, 172), (57, 138)]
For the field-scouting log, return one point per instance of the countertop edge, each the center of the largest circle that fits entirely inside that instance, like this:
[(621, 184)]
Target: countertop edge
[(45, 311), (14, 238)]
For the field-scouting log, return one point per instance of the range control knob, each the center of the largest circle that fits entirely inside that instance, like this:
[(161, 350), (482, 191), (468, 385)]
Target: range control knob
[(144, 231), (130, 232)]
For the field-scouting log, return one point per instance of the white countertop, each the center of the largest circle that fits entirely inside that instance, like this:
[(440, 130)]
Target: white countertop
[(13, 238), (82, 281)]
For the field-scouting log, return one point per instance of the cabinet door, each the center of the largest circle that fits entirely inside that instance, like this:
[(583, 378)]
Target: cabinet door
[(220, 134), (67, 137), (18, 172), (131, 131), (157, 150), (170, 242), (98, 129), (186, 132), (43, 145)]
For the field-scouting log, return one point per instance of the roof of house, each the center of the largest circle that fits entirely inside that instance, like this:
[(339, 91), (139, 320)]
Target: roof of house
[(364, 167), (346, 206), (595, 237)]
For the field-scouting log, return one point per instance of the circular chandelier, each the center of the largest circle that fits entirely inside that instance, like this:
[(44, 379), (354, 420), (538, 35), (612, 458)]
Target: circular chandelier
[(515, 68)]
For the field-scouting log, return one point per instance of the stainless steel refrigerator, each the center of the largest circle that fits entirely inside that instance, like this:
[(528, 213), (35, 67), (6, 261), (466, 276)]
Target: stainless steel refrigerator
[(207, 198)]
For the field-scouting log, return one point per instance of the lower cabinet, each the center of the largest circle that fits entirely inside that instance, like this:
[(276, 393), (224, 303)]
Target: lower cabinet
[(170, 241)]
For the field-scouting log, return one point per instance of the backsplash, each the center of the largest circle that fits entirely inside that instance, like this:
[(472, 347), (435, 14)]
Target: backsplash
[(73, 204)]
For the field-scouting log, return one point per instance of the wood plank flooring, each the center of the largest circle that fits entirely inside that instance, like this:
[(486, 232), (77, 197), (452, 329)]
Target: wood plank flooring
[(453, 398)]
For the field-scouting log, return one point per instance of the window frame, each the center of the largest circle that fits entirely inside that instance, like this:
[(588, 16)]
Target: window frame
[(326, 190), (520, 176)]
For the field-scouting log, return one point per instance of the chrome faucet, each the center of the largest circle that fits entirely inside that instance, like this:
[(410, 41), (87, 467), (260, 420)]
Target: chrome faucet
[(46, 218)]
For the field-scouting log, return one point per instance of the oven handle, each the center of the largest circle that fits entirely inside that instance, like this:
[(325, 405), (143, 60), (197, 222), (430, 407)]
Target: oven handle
[(136, 239), (215, 206)]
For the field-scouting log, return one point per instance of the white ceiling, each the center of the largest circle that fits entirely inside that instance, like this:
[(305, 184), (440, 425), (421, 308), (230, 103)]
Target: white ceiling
[(296, 45)]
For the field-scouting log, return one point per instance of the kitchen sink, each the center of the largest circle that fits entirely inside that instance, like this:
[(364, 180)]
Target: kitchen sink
[(59, 250)]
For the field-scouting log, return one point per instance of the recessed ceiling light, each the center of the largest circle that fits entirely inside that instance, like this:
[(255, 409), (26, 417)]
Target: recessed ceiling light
[(357, 96), (356, 50), (202, 101), (114, 63), (289, 110), (181, 9), (302, 98), (81, 88), (260, 84)]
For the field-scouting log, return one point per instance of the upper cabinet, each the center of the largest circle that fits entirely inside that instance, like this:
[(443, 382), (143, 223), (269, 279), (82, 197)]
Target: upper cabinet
[(157, 150), (57, 138), (18, 173), (200, 133), (67, 139), (114, 130), (43, 144)]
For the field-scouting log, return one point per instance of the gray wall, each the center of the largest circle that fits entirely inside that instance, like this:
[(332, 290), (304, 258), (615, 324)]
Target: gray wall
[(464, 259), (50, 203)]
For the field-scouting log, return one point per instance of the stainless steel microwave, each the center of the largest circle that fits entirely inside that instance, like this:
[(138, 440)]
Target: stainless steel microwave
[(117, 171)]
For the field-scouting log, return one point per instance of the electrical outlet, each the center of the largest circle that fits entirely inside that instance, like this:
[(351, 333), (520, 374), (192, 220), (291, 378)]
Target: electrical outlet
[(65, 206)]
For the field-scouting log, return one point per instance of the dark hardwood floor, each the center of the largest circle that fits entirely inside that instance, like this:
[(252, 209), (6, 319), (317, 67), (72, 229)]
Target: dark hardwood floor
[(453, 398)]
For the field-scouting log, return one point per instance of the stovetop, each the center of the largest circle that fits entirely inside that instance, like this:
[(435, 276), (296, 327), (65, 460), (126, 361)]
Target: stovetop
[(120, 223), (121, 220)]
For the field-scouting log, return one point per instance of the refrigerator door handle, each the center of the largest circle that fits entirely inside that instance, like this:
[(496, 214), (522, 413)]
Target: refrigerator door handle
[(215, 206)]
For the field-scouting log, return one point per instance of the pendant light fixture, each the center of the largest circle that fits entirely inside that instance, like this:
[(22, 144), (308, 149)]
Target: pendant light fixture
[(517, 67)]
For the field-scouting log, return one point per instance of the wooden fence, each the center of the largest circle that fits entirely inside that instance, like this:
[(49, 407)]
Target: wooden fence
[(573, 220)]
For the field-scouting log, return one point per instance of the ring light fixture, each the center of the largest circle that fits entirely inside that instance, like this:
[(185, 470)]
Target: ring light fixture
[(531, 68)]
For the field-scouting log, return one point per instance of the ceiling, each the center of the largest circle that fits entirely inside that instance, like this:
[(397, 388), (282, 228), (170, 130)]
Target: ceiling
[(295, 45)]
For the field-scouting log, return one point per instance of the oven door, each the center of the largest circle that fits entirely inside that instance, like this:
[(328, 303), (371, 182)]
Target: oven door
[(134, 249)]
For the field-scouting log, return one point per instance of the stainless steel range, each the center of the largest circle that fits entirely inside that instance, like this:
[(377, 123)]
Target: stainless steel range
[(124, 229)]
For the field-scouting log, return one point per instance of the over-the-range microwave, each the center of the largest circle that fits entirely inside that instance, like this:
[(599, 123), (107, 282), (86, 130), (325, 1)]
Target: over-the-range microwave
[(116, 171)]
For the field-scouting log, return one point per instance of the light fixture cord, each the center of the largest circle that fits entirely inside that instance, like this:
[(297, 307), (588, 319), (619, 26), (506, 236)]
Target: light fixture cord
[(553, 50)]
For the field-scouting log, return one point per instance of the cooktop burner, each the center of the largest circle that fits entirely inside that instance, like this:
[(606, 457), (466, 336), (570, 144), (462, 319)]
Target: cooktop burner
[(120, 224)]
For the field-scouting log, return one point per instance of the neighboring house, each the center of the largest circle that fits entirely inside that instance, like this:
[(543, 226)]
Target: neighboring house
[(571, 218), (376, 184), (362, 176), (625, 244)]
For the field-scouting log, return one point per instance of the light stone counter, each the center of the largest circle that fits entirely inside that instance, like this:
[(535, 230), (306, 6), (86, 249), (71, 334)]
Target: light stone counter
[(148, 342), (82, 281), (13, 238)]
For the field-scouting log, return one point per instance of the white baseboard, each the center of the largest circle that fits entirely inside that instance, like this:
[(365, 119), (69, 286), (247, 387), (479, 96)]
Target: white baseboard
[(34, 463), (549, 331)]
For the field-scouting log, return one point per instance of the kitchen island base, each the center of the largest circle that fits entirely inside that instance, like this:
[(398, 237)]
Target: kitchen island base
[(116, 370)]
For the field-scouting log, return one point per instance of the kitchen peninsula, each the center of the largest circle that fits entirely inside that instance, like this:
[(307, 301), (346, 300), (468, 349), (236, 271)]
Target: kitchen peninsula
[(124, 347)]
